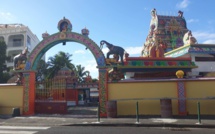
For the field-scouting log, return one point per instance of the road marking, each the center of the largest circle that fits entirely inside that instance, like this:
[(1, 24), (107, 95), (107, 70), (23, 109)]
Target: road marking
[(17, 132), (164, 120), (20, 129)]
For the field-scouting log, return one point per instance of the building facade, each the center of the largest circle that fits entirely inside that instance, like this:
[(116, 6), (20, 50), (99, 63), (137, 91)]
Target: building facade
[(17, 37)]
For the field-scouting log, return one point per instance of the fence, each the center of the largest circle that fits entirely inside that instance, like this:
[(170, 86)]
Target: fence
[(51, 97), (51, 90)]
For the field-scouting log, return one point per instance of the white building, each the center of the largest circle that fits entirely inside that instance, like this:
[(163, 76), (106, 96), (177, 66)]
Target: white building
[(17, 37), (203, 55)]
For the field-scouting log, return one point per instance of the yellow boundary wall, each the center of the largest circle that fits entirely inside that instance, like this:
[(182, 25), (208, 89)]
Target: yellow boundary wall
[(11, 96), (149, 93)]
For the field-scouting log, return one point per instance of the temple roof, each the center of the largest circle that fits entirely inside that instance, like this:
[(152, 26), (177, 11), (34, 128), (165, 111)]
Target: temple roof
[(65, 68), (165, 31), (65, 72), (165, 20), (191, 49)]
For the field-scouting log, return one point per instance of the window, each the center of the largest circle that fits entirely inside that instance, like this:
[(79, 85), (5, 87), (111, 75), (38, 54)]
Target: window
[(29, 43), (17, 42), (204, 59)]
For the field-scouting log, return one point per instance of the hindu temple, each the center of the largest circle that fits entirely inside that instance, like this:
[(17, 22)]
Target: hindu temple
[(171, 75)]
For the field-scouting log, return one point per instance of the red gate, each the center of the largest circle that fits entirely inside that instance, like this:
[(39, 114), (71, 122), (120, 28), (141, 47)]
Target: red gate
[(51, 97)]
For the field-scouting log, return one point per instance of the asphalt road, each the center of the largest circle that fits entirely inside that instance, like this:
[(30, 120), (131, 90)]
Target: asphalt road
[(101, 130), (124, 130)]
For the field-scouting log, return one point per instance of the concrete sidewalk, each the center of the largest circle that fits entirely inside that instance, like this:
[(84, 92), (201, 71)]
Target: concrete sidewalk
[(91, 120)]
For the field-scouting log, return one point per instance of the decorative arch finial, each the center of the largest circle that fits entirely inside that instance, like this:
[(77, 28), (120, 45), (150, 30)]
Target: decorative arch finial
[(64, 25)]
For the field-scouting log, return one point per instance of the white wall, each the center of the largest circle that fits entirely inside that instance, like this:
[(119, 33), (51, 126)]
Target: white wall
[(203, 66)]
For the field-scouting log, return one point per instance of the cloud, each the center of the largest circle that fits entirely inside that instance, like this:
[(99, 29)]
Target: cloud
[(133, 50), (211, 21), (192, 20), (204, 37), (105, 50), (183, 4), (6, 16), (93, 61), (91, 66), (130, 50), (209, 42), (80, 52), (145, 8)]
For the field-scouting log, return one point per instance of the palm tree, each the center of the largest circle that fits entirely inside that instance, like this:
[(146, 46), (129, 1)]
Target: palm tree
[(81, 73), (57, 62), (41, 70)]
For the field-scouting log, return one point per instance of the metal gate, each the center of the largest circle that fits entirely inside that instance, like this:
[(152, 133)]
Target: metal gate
[(51, 97)]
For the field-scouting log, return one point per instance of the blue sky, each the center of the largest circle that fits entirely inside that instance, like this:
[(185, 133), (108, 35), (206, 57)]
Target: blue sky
[(123, 23)]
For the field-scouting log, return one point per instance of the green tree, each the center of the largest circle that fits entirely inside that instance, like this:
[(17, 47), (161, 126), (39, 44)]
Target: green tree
[(95, 80), (3, 58), (81, 73), (57, 62), (41, 70)]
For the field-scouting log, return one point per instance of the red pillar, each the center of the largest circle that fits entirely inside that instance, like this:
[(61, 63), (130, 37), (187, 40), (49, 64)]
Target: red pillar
[(103, 91), (28, 92)]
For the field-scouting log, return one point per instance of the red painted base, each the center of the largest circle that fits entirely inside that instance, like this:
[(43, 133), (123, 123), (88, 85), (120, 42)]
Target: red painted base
[(103, 115), (183, 114), (50, 107)]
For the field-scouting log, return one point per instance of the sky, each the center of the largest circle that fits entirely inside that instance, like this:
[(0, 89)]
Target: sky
[(123, 23)]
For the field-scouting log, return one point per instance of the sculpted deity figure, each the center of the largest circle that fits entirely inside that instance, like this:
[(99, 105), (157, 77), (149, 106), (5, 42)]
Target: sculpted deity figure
[(189, 39), (153, 12), (19, 59), (154, 20), (180, 14)]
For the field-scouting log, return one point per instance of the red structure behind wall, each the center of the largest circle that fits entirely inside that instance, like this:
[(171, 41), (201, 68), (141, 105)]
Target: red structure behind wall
[(72, 95)]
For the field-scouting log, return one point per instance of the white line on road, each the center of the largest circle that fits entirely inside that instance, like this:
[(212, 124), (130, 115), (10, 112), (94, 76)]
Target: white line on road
[(17, 132), (22, 127), (164, 120)]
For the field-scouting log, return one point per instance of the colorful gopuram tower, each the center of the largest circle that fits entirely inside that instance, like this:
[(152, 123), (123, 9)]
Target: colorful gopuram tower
[(165, 34)]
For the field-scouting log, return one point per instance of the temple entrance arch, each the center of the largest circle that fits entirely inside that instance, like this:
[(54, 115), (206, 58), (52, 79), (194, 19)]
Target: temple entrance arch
[(65, 35), (60, 37)]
